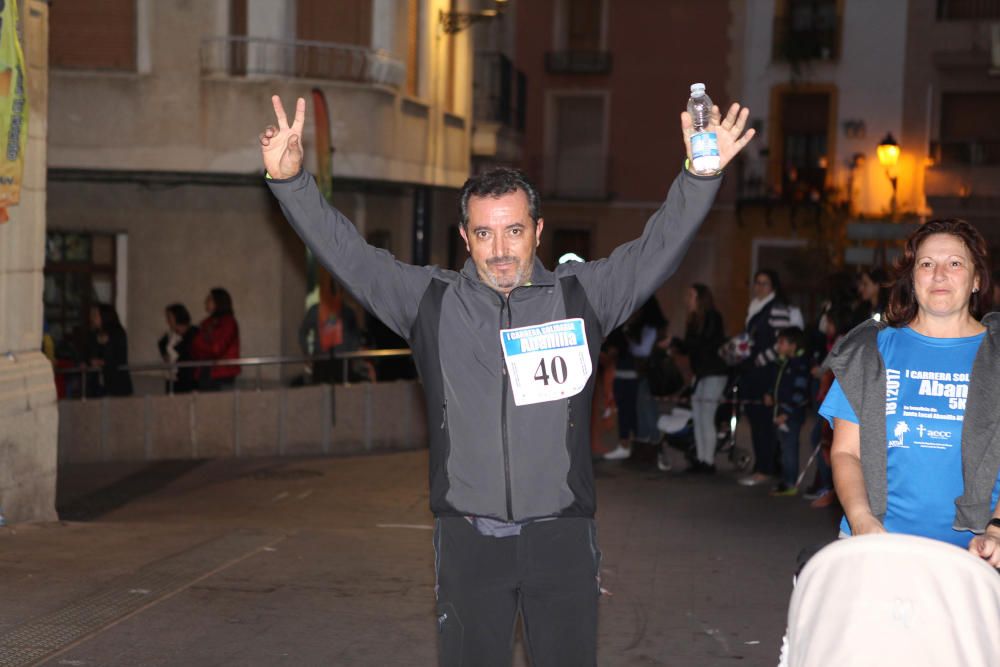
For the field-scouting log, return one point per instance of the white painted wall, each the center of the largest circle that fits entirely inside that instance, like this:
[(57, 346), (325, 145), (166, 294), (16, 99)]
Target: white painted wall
[(868, 77)]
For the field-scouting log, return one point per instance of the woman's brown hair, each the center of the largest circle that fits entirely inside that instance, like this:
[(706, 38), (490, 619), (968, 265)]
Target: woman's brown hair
[(903, 306), (703, 303)]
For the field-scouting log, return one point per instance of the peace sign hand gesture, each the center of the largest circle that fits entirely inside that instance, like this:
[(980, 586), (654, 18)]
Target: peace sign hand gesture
[(728, 131), (281, 147)]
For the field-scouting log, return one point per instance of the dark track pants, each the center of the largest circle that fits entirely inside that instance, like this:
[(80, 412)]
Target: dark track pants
[(548, 573), (763, 437)]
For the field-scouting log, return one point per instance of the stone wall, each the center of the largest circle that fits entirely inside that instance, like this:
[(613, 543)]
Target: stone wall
[(300, 421), (28, 415)]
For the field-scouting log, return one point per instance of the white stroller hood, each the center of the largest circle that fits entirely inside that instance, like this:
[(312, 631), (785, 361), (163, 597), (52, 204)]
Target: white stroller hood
[(892, 600), (675, 421)]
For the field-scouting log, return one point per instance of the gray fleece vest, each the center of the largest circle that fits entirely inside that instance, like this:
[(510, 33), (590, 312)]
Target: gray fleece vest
[(860, 370)]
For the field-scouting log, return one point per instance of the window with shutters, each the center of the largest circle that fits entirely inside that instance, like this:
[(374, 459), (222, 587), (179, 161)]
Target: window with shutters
[(577, 164), (93, 35), (804, 126), (807, 30), (580, 38), (583, 25), (345, 22), (969, 131), (337, 21), (968, 10)]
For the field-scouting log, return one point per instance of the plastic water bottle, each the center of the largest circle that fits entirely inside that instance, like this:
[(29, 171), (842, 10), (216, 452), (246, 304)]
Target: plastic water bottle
[(704, 144)]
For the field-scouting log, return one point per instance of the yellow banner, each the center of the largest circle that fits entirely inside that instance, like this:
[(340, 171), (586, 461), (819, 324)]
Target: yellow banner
[(13, 108)]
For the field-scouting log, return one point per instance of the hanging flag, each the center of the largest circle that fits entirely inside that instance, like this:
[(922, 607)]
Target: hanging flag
[(13, 109), (318, 278), (324, 149)]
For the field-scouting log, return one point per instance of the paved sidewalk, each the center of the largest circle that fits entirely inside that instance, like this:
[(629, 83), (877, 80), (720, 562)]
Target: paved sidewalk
[(329, 562)]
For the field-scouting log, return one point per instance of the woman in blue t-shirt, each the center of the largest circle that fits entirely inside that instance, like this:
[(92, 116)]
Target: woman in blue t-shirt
[(916, 448)]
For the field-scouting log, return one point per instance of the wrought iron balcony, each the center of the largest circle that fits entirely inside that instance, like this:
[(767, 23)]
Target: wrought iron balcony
[(256, 56), (965, 152), (578, 62), (968, 10)]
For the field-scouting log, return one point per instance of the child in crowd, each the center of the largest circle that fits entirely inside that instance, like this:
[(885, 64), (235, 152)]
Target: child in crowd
[(835, 323), (790, 399)]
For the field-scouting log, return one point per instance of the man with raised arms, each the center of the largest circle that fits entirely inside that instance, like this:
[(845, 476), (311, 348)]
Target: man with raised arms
[(508, 409)]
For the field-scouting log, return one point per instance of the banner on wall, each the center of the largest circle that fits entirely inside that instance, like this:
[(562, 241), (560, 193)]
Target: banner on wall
[(13, 109)]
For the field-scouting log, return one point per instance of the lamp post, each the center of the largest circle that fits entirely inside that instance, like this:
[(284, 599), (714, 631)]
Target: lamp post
[(888, 157), (455, 22)]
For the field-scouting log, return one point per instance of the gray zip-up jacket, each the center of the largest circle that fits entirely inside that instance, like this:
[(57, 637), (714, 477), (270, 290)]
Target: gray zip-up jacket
[(488, 456), (860, 370)]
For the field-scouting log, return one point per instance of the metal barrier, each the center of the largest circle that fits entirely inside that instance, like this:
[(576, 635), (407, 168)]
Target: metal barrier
[(241, 56), (245, 362)]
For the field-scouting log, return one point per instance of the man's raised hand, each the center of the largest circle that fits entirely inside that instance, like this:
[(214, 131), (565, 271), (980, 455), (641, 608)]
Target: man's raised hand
[(281, 146), (728, 131)]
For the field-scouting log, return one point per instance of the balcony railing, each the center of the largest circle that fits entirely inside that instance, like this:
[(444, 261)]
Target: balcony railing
[(967, 10), (166, 372), (801, 45), (808, 30), (966, 152), (578, 62), (257, 56)]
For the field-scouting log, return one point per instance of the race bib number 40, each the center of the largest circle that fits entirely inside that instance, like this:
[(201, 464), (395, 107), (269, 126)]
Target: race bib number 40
[(546, 362)]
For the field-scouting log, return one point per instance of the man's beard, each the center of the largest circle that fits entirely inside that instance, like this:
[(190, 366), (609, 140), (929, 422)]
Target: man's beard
[(507, 282)]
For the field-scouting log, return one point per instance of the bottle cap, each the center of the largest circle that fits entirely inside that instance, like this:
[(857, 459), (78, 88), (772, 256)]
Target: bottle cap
[(697, 89)]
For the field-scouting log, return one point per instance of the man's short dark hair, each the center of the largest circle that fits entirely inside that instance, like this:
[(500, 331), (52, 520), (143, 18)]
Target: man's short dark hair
[(496, 183), (795, 336)]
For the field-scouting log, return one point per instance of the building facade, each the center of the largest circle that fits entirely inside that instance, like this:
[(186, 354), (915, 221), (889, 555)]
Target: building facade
[(949, 132), (155, 178), (824, 79), (831, 80), (606, 82), (499, 92)]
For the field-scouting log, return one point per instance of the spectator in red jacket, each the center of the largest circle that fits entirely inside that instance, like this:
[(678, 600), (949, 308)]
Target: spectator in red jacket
[(218, 338)]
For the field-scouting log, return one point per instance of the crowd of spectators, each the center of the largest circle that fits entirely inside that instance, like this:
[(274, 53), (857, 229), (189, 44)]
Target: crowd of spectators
[(774, 360)]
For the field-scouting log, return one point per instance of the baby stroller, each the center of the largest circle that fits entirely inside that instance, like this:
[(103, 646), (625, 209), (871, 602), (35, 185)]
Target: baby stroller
[(726, 419), (678, 429), (894, 600)]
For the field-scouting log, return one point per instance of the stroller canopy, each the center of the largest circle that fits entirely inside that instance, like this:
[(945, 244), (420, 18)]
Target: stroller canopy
[(894, 600)]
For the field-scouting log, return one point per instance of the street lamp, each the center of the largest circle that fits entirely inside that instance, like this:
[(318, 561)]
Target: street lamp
[(888, 157), (455, 22)]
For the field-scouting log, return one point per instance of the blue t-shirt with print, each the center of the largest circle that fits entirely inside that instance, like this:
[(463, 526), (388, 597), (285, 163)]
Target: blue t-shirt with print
[(927, 382)]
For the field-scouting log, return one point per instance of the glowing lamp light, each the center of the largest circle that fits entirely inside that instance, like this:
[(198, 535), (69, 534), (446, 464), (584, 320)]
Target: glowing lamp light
[(888, 156), (888, 152)]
